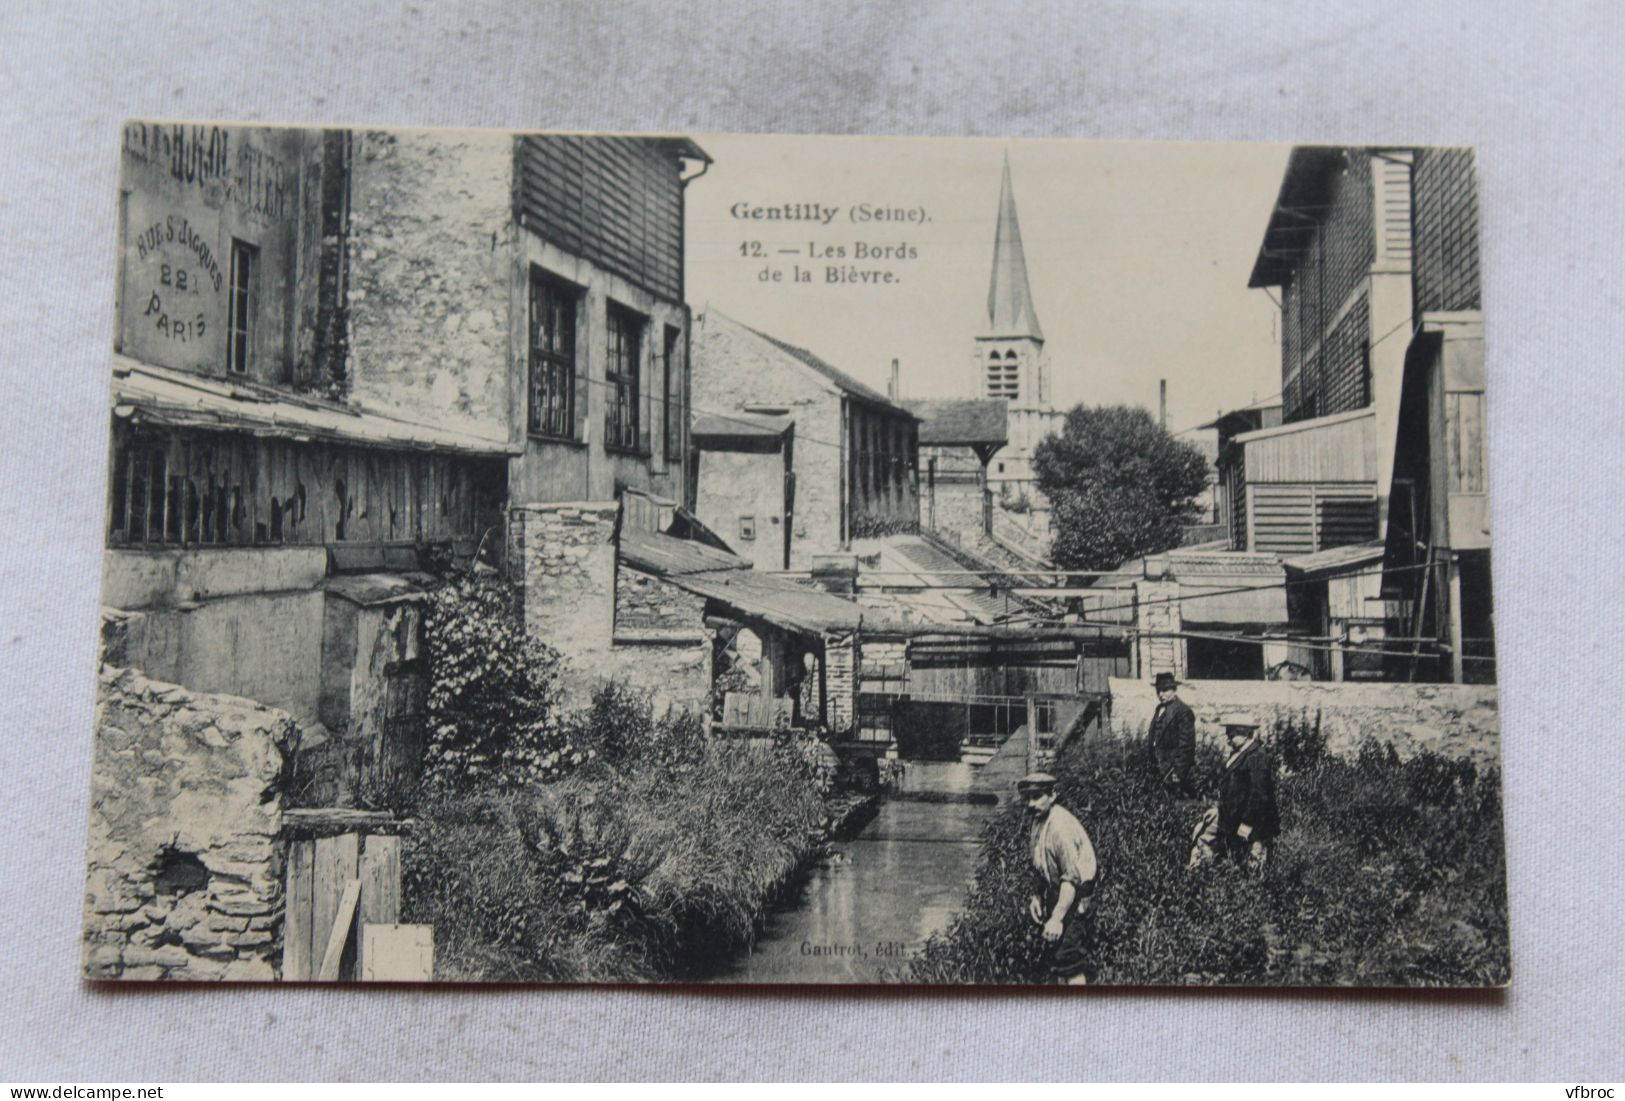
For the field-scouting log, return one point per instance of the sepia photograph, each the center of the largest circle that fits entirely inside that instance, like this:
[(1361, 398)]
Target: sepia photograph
[(547, 557)]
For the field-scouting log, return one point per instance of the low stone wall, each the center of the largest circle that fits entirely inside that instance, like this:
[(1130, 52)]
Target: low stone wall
[(1459, 720), (643, 601), (184, 875)]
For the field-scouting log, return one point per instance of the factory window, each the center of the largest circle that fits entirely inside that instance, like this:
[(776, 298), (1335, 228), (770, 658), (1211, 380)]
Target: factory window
[(747, 528), (240, 308), (672, 364), (622, 422), (553, 306)]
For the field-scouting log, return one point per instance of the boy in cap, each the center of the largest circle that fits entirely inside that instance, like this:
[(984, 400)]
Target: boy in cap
[(1064, 869), (1247, 818), (1173, 739)]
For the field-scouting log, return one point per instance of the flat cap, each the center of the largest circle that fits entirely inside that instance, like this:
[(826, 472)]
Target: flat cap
[(1035, 781)]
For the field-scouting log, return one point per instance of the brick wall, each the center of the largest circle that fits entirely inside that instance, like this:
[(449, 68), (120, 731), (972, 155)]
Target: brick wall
[(842, 654), (1446, 220), (184, 875), (1459, 720), (431, 267)]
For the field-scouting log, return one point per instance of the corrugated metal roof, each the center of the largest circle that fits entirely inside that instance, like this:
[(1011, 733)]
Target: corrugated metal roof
[(179, 399), (668, 556), (981, 605), (739, 589), (1312, 424), (1336, 560), (774, 599), (962, 422)]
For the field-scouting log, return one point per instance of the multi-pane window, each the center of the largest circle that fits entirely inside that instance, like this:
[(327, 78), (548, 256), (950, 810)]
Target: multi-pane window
[(240, 308), (552, 356), (621, 422), (672, 420)]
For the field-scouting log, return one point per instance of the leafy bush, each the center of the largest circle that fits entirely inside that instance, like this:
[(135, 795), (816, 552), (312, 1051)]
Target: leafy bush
[(644, 863), (493, 693), (1385, 873)]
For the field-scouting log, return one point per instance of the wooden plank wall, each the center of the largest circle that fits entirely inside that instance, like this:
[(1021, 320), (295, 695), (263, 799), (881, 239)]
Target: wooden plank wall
[(189, 488), (617, 201), (336, 886)]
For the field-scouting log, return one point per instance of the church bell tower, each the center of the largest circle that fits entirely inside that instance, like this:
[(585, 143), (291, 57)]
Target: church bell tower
[(1009, 351)]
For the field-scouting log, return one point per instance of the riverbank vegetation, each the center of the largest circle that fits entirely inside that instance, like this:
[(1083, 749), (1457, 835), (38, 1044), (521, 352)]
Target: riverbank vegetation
[(1387, 872), (607, 845)]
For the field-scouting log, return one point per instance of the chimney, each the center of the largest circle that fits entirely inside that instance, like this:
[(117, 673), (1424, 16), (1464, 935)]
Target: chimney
[(891, 386), (1162, 403)]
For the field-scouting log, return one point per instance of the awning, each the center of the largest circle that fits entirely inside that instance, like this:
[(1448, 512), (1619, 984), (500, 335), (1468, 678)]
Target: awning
[(177, 399), (735, 587), (1335, 561)]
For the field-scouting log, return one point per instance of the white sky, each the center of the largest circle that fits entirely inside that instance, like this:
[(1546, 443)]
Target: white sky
[(1138, 255)]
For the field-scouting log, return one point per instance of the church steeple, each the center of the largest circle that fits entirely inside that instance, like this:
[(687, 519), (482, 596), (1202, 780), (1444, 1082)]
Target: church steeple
[(1010, 312)]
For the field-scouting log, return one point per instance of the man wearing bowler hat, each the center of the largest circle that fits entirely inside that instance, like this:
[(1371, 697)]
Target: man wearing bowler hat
[(1173, 739), (1064, 873), (1247, 819)]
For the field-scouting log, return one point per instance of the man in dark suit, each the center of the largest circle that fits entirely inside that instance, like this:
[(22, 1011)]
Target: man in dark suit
[(1248, 818), (1173, 739)]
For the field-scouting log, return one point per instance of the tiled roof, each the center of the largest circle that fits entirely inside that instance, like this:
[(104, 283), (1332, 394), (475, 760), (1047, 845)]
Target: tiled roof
[(962, 421)]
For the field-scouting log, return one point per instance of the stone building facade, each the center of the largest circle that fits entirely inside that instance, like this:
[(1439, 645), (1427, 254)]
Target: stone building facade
[(855, 463)]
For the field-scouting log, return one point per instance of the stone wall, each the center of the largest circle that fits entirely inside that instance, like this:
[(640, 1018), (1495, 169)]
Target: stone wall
[(644, 602), (736, 484), (1157, 615), (431, 270), (184, 875), (568, 556), (735, 367), (1459, 720)]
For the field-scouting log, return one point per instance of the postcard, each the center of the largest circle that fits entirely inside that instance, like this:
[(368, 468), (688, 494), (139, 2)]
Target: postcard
[(550, 557)]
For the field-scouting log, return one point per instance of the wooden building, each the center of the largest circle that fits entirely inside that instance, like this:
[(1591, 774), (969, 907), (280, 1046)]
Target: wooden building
[(1375, 254)]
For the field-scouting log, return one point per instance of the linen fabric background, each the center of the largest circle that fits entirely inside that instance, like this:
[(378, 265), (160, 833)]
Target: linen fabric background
[(1536, 89)]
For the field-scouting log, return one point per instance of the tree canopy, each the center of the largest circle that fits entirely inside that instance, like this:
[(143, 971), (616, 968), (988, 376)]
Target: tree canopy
[(1119, 485)]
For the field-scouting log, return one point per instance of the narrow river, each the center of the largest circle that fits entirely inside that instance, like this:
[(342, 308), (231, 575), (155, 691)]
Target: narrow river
[(871, 903)]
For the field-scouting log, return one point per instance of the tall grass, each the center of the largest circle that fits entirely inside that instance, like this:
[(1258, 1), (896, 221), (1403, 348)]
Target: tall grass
[(645, 864), (1387, 872)]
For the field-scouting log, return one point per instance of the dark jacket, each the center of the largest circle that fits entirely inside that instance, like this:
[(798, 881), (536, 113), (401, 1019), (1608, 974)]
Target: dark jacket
[(1173, 738), (1247, 795)]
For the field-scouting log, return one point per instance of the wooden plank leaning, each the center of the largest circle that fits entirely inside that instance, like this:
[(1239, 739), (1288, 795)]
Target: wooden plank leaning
[(343, 920)]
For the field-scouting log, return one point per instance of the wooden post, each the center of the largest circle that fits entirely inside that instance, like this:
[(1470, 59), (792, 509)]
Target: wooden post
[(298, 912), (1457, 663), (381, 880)]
